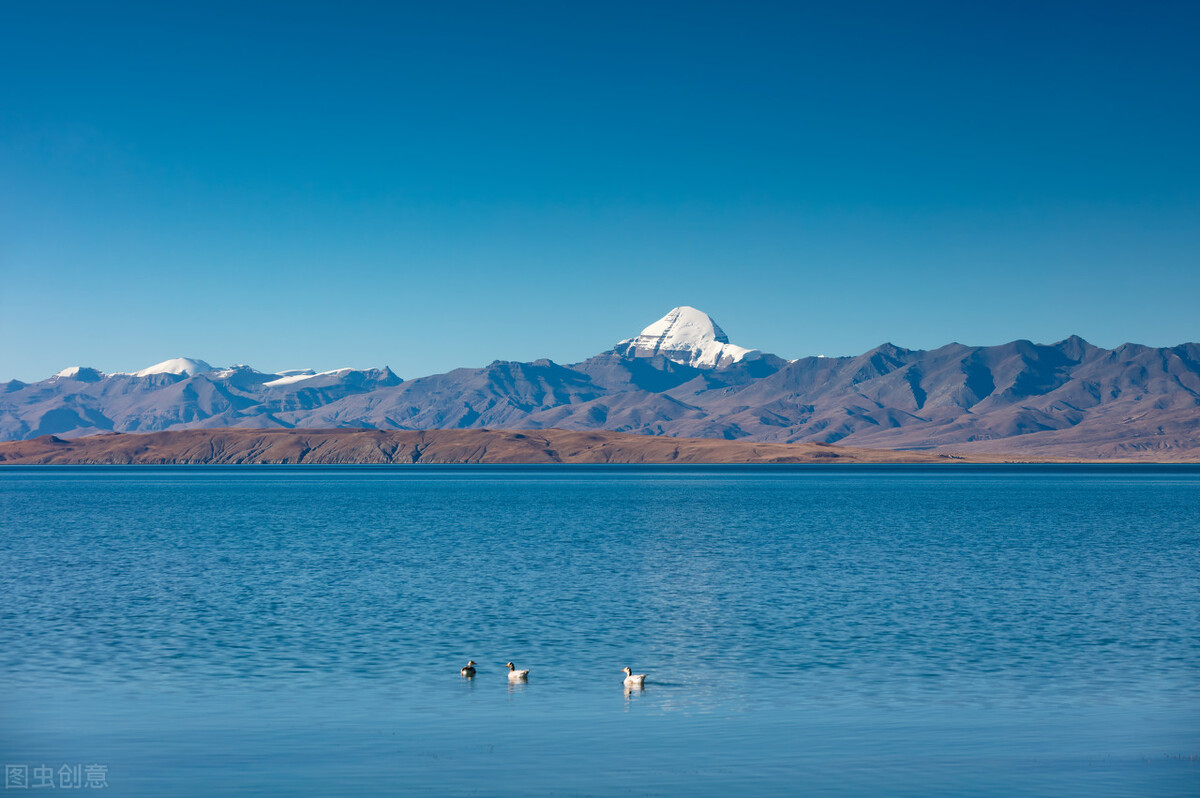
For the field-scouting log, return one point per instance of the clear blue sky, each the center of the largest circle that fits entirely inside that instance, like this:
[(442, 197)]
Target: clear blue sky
[(434, 185)]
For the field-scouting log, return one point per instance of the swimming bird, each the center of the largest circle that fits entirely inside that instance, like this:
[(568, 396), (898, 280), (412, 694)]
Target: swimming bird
[(469, 670), (515, 675), (633, 679)]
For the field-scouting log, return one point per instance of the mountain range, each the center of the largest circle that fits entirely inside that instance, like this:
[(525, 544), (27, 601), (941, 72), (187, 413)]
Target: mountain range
[(681, 377)]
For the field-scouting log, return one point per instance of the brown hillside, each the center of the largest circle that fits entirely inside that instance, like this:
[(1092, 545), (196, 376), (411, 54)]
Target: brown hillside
[(348, 446)]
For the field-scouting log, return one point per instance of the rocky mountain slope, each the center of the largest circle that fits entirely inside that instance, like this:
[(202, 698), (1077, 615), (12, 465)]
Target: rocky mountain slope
[(681, 377)]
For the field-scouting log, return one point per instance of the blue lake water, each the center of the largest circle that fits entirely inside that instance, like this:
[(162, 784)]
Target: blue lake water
[(822, 630)]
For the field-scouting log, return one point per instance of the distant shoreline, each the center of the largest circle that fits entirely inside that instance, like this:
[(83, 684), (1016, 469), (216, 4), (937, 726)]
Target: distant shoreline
[(233, 446)]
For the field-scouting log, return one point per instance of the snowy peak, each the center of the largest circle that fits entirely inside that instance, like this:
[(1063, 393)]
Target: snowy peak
[(689, 336), (80, 373), (184, 366), (685, 326)]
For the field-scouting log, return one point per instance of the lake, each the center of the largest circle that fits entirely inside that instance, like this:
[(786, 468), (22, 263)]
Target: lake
[(907, 630)]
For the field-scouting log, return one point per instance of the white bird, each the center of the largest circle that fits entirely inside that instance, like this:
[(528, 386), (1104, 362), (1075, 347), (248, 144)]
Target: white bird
[(515, 675), (633, 679), (469, 670)]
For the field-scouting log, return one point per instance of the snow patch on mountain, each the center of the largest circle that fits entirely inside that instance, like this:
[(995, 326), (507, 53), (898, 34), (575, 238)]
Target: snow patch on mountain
[(689, 336), (184, 366), (304, 374), (235, 369), (75, 371)]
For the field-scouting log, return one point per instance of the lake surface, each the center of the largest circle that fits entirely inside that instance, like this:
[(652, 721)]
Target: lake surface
[(806, 629)]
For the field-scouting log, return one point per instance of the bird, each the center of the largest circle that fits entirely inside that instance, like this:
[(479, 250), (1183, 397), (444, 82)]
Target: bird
[(633, 679), (469, 669), (515, 675)]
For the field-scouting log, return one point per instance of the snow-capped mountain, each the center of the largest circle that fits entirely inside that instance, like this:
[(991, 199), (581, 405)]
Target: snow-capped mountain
[(80, 373), (687, 336), (680, 377), (185, 366)]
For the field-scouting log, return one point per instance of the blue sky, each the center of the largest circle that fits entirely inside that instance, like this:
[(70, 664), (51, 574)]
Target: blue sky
[(429, 186)]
